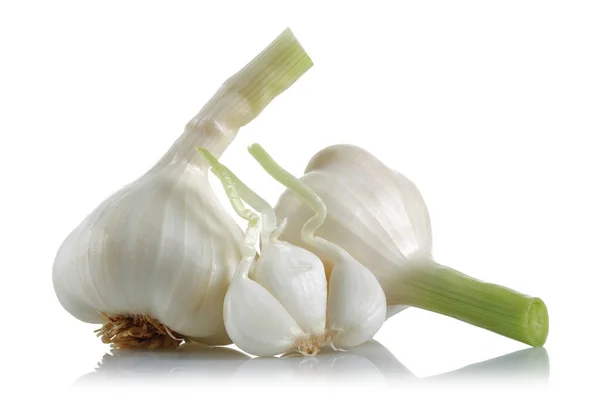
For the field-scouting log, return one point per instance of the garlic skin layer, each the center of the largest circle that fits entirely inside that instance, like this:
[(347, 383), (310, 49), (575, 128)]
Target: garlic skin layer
[(284, 304), (282, 307), (163, 247), (296, 278), (356, 308), (386, 236)]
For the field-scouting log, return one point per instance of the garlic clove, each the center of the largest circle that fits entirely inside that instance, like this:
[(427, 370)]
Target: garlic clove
[(296, 278), (256, 322), (356, 308)]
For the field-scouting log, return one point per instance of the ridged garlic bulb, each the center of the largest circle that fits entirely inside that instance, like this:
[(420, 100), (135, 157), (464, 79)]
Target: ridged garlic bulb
[(153, 262), (374, 213), (162, 247), (379, 217)]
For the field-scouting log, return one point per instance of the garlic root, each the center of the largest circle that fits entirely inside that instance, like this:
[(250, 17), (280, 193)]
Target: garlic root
[(311, 345), (137, 332)]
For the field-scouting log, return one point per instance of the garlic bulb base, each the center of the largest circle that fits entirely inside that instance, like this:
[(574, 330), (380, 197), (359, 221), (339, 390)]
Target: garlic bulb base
[(496, 308), (311, 345), (137, 332)]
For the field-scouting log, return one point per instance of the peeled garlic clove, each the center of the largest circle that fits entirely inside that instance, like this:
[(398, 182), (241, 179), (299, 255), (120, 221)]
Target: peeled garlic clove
[(256, 322), (296, 278), (154, 260), (356, 307)]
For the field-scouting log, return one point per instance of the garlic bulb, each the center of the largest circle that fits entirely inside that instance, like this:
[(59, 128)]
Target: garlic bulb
[(379, 217), (153, 261), (281, 301)]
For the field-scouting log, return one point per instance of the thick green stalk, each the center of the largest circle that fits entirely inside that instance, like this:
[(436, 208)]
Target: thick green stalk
[(496, 308), (271, 72), (241, 99)]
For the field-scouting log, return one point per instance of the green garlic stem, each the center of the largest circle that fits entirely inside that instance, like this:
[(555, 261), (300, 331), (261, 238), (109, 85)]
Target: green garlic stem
[(237, 191), (241, 99), (496, 308), (306, 194), (271, 72), (233, 188)]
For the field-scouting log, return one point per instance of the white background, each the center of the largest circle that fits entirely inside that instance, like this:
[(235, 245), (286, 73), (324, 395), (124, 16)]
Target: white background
[(491, 108)]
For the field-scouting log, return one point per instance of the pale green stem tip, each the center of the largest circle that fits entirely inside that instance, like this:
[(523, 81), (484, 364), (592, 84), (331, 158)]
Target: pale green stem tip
[(493, 307), (271, 72)]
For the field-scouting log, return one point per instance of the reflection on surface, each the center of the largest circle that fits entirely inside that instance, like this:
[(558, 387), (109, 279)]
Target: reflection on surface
[(530, 364), (372, 361), (188, 362)]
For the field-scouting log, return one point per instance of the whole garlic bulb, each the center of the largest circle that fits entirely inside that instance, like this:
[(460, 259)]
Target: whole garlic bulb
[(379, 217), (281, 302), (153, 261)]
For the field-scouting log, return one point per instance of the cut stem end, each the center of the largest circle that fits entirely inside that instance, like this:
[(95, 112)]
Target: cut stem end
[(495, 308), (271, 72), (538, 322)]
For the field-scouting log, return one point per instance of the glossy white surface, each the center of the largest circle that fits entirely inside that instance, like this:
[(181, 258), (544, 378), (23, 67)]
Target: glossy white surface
[(491, 108)]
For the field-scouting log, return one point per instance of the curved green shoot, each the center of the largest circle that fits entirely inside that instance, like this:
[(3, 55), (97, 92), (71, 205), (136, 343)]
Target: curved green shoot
[(232, 184), (307, 195), (238, 194)]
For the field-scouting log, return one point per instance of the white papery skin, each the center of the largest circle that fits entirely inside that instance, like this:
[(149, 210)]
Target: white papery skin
[(356, 308), (296, 278), (283, 303), (162, 246), (374, 213)]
